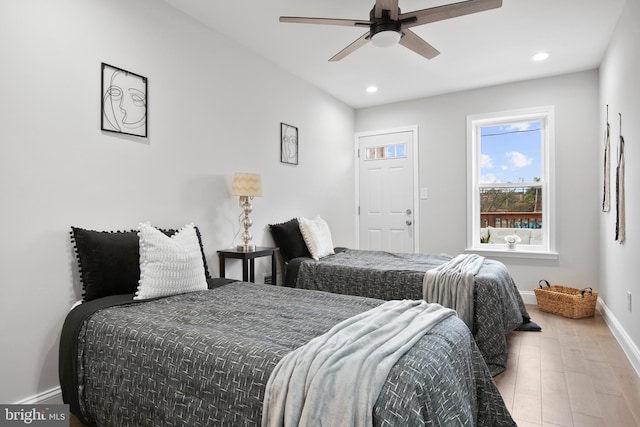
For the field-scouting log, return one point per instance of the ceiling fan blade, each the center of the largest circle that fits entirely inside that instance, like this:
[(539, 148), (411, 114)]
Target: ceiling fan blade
[(325, 21), (412, 41), (448, 11), (352, 47), (390, 5)]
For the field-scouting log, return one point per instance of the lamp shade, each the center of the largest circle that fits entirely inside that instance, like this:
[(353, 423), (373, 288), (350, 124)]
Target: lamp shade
[(246, 184)]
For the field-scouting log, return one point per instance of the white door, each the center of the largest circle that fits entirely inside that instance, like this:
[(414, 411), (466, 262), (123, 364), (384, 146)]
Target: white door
[(387, 182)]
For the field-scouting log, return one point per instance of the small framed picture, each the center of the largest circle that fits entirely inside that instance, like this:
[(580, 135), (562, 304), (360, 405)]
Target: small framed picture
[(123, 101), (288, 144)]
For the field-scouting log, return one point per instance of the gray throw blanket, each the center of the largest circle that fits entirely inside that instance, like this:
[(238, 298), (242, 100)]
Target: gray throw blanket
[(451, 284), (335, 379)]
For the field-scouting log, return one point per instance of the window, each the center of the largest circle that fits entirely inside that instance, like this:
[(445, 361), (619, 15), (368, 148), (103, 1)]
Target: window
[(511, 182), (386, 152)]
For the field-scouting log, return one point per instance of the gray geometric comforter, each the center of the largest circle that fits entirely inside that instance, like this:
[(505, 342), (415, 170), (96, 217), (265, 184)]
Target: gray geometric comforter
[(499, 308), (203, 359)]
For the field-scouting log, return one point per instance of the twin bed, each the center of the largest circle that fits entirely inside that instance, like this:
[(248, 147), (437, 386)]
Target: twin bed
[(205, 357), (498, 306)]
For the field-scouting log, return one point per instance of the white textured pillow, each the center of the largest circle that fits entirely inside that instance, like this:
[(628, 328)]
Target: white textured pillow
[(317, 236), (169, 265)]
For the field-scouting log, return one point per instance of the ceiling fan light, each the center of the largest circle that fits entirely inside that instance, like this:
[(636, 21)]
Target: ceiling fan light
[(386, 38)]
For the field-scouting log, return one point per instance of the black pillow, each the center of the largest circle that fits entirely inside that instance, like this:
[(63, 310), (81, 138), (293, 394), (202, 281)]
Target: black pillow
[(109, 261), (289, 239)]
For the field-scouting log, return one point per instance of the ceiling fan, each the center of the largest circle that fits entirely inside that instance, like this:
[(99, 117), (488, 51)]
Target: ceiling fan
[(387, 26)]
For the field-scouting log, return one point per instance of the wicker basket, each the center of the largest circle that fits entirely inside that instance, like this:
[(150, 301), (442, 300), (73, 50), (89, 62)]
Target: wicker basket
[(568, 302)]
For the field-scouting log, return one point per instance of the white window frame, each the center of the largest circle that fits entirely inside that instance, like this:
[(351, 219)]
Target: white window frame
[(474, 122)]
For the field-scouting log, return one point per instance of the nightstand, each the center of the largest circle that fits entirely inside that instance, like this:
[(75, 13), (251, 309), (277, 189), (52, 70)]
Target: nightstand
[(248, 261)]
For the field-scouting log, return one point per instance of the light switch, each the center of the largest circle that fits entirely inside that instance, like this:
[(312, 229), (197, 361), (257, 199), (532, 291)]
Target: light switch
[(424, 195)]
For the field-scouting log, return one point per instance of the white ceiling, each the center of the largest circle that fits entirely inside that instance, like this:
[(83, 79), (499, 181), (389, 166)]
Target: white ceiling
[(477, 50)]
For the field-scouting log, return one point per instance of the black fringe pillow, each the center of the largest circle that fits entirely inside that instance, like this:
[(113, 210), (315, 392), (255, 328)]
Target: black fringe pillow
[(109, 261)]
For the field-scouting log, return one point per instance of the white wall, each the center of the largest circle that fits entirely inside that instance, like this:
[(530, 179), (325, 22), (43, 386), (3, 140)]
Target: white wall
[(442, 161), (620, 89), (214, 109)]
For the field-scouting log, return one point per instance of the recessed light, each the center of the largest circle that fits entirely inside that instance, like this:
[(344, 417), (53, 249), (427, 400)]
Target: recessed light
[(372, 89), (540, 56)]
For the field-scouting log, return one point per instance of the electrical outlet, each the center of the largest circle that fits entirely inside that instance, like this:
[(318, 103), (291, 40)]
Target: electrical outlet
[(629, 301)]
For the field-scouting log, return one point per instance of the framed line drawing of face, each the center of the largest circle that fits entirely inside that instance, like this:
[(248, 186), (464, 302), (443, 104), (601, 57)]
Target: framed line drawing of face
[(123, 102), (288, 144)]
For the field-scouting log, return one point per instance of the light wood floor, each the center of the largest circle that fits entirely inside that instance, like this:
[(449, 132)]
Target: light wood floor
[(573, 373)]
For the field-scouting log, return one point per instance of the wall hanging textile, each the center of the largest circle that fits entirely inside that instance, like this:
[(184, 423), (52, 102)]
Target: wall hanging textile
[(620, 217), (607, 166)]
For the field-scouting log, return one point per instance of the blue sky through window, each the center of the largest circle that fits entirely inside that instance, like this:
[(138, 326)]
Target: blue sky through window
[(511, 153)]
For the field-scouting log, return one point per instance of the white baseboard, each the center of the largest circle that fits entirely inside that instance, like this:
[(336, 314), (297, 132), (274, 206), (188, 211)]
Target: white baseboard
[(53, 396), (628, 346), (529, 297)]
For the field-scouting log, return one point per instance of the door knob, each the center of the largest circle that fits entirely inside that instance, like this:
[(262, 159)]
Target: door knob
[(408, 222)]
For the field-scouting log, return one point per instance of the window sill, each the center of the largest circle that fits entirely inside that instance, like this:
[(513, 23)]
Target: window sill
[(519, 252)]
